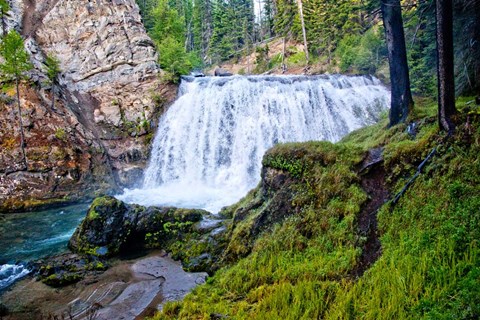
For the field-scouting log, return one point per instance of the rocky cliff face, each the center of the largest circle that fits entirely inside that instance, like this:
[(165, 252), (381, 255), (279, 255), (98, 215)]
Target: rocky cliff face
[(105, 53), (107, 97), (65, 161)]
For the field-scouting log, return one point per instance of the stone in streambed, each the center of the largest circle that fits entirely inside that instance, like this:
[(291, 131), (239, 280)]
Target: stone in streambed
[(112, 227), (220, 72), (65, 269)]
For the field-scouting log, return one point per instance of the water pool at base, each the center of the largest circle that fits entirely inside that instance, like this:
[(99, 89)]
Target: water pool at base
[(30, 236)]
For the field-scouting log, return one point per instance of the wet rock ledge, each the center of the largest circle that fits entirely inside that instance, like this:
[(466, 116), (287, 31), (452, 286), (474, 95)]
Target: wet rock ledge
[(113, 228)]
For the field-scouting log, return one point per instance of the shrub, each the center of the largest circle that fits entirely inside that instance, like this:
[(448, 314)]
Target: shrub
[(61, 134)]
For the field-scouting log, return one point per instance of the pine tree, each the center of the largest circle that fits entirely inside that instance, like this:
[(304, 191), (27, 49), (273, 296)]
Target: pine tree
[(221, 46), (287, 22), (202, 27), (146, 7), (16, 63), (268, 17), (232, 21), (53, 70), (170, 36), (327, 22)]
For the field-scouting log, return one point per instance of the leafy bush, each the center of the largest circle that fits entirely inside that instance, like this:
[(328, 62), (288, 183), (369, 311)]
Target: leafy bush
[(61, 134), (362, 53), (297, 58), (174, 60)]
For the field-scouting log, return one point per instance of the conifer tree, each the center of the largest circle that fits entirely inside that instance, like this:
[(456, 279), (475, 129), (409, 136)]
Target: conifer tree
[(169, 33), (16, 63), (202, 27), (268, 17), (53, 69), (230, 20)]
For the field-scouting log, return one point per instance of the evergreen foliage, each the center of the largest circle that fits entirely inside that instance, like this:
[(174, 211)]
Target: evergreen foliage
[(345, 33), (232, 28), (16, 59), (202, 27), (16, 64), (53, 67), (363, 53), (168, 29)]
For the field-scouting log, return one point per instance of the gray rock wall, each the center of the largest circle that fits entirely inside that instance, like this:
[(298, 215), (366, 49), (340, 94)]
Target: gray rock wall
[(105, 52), (108, 98)]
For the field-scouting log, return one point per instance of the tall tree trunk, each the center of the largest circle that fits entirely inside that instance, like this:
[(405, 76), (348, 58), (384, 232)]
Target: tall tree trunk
[(445, 68), (53, 94), (300, 11), (284, 49), (22, 136), (4, 24), (475, 46), (401, 96), (260, 19)]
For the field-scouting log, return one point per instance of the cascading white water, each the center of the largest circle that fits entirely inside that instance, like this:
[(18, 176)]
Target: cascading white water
[(209, 145)]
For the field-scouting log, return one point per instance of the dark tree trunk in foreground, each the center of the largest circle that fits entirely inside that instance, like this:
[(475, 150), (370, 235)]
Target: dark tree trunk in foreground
[(402, 101), (445, 69), (476, 45)]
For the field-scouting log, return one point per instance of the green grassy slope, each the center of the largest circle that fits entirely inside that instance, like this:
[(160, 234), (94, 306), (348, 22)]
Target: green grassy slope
[(309, 266)]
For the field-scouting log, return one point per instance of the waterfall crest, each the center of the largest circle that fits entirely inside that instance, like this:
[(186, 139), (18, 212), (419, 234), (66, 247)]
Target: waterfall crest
[(209, 145)]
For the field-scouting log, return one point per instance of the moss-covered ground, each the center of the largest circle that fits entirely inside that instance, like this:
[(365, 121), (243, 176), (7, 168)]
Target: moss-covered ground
[(304, 267)]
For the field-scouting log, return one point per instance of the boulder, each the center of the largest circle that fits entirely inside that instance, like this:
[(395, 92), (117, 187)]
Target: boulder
[(112, 227), (197, 74), (68, 268), (220, 72)]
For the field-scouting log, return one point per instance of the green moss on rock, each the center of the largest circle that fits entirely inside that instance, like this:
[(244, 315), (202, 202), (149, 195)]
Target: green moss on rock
[(112, 226), (61, 280)]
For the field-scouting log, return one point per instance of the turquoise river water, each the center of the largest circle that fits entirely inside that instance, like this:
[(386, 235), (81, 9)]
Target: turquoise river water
[(26, 237)]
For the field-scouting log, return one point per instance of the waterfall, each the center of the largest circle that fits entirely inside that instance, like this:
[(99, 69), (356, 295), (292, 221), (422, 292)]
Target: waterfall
[(209, 145)]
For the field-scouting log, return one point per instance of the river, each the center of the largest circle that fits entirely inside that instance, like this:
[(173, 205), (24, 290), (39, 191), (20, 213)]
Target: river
[(25, 237)]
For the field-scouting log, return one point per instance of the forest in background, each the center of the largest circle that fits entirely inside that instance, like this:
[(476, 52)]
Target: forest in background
[(345, 35)]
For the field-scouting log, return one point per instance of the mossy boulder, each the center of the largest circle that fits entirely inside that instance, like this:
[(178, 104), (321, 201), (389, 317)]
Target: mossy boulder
[(68, 268), (112, 227), (57, 280)]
